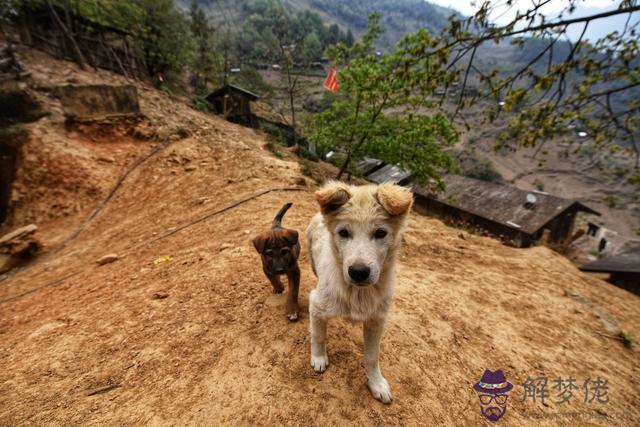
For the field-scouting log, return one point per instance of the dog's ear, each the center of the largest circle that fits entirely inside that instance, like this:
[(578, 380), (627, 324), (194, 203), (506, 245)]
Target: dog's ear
[(396, 200), (291, 236), (259, 242), (332, 196)]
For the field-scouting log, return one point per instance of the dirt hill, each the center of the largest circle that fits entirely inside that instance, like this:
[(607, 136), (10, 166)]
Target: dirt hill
[(184, 329)]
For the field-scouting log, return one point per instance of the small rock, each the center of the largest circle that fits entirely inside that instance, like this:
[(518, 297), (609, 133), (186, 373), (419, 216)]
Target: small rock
[(225, 246), (190, 168), (17, 247), (109, 258), (18, 233), (301, 182), (106, 159), (160, 295), (461, 235)]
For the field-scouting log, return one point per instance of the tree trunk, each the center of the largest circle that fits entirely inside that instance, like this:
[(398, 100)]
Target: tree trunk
[(293, 119), (344, 166), (76, 50)]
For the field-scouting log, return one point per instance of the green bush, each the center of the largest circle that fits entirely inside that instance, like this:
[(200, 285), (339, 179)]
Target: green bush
[(200, 104)]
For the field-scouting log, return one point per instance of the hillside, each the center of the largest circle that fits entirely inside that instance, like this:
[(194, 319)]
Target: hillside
[(399, 17), (184, 329)]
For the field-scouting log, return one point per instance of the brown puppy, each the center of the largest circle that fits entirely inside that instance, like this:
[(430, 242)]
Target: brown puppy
[(279, 248)]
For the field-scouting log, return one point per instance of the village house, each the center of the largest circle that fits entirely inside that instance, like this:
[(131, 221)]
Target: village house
[(520, 218), (623, 268), (234, 104)]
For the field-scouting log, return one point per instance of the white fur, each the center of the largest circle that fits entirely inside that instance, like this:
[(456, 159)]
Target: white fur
[(337, 296)]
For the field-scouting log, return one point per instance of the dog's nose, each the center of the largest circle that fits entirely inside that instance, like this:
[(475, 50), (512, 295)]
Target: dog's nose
[(359, 273)]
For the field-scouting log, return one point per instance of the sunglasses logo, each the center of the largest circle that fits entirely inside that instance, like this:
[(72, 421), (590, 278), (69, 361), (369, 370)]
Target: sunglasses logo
[(492, 392)]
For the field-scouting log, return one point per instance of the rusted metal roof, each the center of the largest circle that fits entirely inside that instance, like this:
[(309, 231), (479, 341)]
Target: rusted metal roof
[(624, 262), (389, 173), (503, 204), (232, 88)]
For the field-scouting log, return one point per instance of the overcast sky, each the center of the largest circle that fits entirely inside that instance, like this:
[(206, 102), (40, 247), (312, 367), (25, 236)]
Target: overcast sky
[(595, 30)]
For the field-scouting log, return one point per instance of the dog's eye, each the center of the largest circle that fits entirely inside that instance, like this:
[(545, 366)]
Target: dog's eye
[(344, 233), (380, 233), (268, 252), (285, 250)]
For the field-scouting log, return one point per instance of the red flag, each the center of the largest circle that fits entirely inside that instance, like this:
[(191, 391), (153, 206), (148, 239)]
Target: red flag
[(331, 82)]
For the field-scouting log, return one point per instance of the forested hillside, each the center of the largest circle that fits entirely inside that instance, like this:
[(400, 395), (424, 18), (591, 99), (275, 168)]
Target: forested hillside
[(399, 17)]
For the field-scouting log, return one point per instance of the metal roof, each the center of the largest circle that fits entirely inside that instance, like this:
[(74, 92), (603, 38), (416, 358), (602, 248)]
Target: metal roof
[(389, 173), (624, 262), (226, 88), (503, 204), (369, 165)]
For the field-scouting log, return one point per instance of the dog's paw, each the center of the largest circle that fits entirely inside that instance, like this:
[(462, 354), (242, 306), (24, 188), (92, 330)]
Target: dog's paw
[(319, 363), (293, 317), (380, 390)]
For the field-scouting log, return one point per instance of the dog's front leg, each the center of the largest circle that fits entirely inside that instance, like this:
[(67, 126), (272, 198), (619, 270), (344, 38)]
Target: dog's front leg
[(377, 383), (292, 298), (318, 329), (278, 287)]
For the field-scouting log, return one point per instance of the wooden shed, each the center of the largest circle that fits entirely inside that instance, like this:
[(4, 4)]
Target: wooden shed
[(623, 268), (518, 217), (234, 103)]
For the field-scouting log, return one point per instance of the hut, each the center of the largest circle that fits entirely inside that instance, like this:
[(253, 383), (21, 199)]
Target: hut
[(623, 269), (234, 103), (519, 217)]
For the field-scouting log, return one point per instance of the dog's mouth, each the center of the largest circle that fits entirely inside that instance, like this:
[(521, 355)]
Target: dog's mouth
[(362, 284)]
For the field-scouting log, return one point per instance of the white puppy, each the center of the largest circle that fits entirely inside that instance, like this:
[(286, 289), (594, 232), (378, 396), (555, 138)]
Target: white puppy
[(353, 243)]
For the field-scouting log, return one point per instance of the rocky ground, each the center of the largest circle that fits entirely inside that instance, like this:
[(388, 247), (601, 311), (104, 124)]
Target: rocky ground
[(183, 328)]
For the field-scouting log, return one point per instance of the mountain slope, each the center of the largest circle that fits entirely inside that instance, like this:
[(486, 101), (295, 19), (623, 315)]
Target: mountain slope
[(185, 324), (399, 16)]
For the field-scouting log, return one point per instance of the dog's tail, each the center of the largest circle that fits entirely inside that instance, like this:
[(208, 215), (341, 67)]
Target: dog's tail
[(277, 221)]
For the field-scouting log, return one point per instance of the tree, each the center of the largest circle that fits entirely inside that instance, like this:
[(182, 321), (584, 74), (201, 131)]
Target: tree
[(204, 59), (290, 50), (312, 48), (349, 40), (380, 108), (163, 37), (564, 84)]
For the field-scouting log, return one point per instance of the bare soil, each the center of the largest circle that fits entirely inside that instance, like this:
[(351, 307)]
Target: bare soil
[(184, 328)]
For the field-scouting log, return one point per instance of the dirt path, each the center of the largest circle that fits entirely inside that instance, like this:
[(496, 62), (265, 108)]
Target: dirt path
[(200, 338)]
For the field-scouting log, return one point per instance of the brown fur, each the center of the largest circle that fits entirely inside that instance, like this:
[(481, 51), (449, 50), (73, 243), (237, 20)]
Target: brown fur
[(279, 249)]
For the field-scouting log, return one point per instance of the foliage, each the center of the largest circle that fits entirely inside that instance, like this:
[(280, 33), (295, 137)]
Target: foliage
[(205, 63), (593, 85), (264, 24), (628, 339), (200, 104), (485, 171), (611, 201), (158, 31), (165, 43), (360, 122), (399, 17), (250, 79)]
